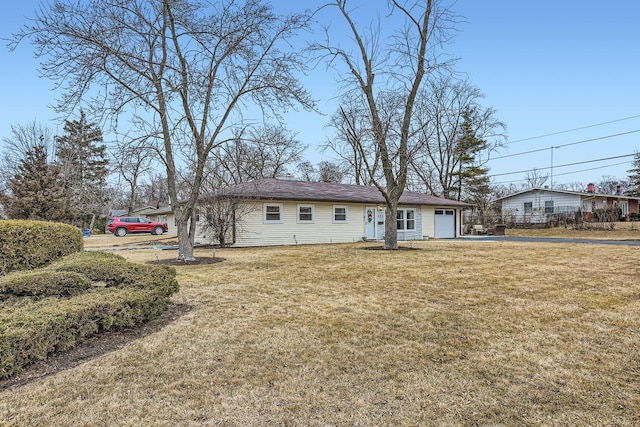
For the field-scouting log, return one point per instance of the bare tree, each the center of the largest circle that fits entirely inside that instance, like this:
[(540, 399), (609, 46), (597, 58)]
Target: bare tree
[(382, 69), (609, 185), (446, 109), (306, 171), (132, 159), (535, 179), (330, 172), (570, 186), (352, 125), (154, 192), (252, 154), (183, 68), (225, 215)]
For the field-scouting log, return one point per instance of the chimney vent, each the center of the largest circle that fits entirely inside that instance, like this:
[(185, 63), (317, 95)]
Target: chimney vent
[(591, 188)]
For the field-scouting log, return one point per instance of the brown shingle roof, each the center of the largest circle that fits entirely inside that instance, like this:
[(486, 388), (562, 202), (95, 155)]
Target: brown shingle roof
[(284, 189)]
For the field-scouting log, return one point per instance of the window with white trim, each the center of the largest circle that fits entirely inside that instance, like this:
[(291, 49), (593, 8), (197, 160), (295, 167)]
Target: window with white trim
[(305, 213), (340, 214), (273, 213), (406, 219)]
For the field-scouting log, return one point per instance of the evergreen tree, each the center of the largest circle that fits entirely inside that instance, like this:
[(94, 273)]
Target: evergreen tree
[(471, 178), (634, 177), (37, 190), (82, 159)]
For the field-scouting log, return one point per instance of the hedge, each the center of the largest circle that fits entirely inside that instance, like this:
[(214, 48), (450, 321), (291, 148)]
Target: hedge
[(35, 328), (105, 267), (41, 283), (26, 245)]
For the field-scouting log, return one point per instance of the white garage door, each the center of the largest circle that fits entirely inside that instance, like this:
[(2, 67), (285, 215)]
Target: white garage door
[(445, 224)]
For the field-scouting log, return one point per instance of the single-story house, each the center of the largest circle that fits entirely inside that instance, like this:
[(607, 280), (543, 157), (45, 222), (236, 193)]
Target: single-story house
[(283, 212), (538, 205)]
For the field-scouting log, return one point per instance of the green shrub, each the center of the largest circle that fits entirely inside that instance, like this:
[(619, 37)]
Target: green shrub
[(30, 332), (105, 267), (26, 245), (32, 328), (42, 283)]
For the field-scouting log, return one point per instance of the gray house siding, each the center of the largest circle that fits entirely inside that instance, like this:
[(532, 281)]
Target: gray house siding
[(534, 207)]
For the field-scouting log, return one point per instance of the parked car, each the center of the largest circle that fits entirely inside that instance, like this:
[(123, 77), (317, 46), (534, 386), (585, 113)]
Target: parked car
[(121, 225)]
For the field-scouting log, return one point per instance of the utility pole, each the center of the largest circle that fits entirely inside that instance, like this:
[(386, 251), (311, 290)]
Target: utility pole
[(551, 148)]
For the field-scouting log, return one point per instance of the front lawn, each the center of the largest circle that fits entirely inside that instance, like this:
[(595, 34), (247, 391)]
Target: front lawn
[(599, 231), (455, 333)]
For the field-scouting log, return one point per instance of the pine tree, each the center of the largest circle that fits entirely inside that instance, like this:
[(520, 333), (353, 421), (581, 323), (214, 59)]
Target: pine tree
[(634, 177), (38, 191), (82, 158), (471, 177)]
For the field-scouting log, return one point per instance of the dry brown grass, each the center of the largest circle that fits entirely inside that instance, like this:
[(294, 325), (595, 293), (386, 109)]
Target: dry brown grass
[(457, 333), (599, 231)]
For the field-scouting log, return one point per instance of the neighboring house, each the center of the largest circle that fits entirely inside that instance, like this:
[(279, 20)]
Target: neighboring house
[(284, 212), (117, 212), (538, 205), (161, 214)]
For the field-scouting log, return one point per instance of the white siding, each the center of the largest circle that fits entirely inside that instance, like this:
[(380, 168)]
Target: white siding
[(513, 207), (254, 232), (428, 221)]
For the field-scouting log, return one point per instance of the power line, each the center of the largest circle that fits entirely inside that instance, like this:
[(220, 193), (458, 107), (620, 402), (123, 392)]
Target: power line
[(592, 169), (565, 165), (568, 173), (573, 130), (565, 145)]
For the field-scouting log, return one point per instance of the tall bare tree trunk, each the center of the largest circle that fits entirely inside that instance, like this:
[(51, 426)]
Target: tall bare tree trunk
[(185, 244), (391, 226)]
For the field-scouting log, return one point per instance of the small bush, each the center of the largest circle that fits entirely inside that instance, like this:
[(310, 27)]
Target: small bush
[(25, 245), (41, 283), (608, 214)]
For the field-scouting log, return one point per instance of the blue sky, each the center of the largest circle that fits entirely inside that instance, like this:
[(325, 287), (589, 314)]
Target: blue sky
[(546, 66)]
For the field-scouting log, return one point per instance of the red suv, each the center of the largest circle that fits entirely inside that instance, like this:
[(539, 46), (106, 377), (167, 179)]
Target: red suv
[(121, 225)]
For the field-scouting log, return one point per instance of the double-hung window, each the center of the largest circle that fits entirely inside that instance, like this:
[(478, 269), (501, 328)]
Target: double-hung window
[(528, 207), (339, 214), (548, 206), (273, 213), (406, 219), (305, 213)]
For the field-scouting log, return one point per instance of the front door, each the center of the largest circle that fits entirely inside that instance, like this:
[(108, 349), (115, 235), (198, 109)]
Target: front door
[(370, 223)]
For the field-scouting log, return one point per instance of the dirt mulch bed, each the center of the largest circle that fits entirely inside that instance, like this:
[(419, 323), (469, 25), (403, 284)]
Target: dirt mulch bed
[(93, 347), (400, 248), (178, 262)]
